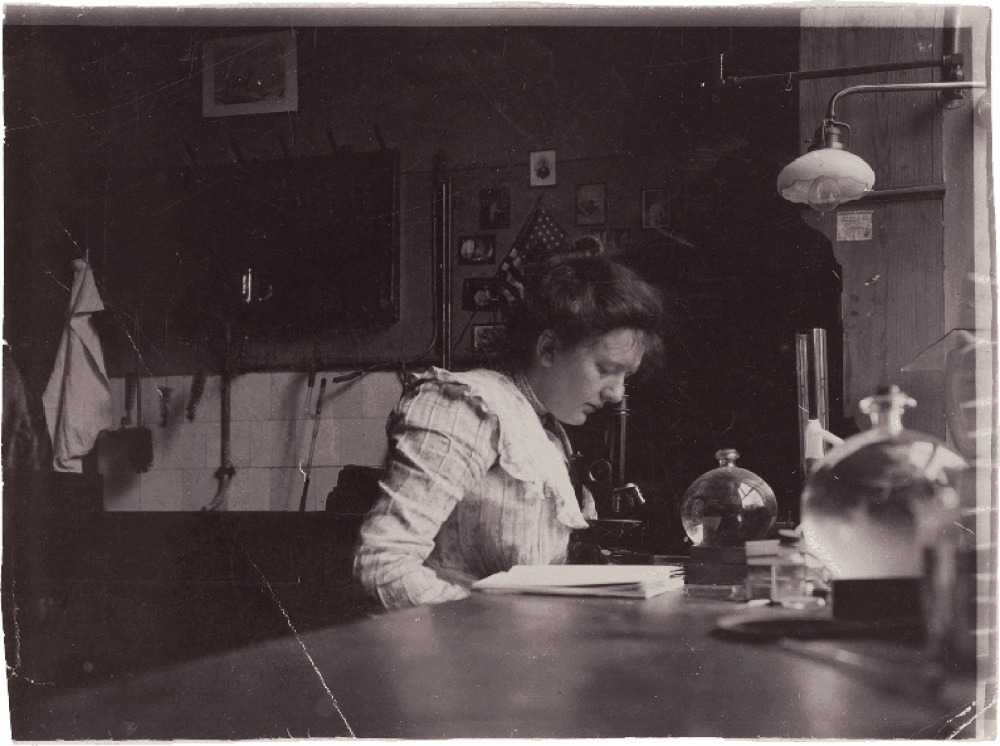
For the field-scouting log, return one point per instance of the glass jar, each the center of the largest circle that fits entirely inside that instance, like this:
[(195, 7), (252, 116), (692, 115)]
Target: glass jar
[(728, 506), (881, 511), (876, 501)]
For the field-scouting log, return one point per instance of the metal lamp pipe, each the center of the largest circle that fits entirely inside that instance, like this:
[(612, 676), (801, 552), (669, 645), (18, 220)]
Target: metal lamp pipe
[(951, 61), (834, 72), (891, 87)]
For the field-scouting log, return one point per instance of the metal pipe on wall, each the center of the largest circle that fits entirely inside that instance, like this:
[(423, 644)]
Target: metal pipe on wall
[(436, 250), (446, 242), (441, 229)]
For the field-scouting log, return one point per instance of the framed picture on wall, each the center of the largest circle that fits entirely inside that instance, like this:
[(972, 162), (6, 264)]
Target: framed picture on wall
[(484, 334), (614, 240), (591, 204), (494, 208), (542, 168), (655, 208), (253, 74), (480, 293), (477, 249)]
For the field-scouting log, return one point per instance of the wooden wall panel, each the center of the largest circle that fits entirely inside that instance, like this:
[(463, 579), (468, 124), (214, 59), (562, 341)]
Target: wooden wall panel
[(893, 304), (898, 134)]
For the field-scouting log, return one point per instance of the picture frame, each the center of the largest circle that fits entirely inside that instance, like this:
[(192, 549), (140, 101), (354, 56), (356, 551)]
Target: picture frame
[(662, 207), (477, 249), (591, 204), (254, 74), (614, 240), (484, 334), (542, 168), (494, 208), (480, 293), (656, 208)]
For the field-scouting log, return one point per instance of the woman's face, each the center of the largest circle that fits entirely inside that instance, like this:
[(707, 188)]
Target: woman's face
[(573, 382)]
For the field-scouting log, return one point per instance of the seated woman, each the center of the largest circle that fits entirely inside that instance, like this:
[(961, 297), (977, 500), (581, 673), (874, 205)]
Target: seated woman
[(477, 478)]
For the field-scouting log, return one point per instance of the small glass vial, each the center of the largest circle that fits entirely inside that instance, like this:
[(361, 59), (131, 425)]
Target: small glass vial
[(793, 580)]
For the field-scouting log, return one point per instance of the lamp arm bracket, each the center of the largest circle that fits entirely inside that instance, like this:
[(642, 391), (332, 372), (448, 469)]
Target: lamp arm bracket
[(897, 87), (948, 62)]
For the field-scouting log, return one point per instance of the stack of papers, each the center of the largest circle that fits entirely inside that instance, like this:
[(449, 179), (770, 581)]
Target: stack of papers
[(621, 581)]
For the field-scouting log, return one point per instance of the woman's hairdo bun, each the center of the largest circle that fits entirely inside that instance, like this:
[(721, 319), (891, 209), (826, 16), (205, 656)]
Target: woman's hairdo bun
[(573, 248), (580, 293)]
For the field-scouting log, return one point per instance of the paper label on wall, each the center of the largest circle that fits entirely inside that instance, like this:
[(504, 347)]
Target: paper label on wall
[(855, 225)]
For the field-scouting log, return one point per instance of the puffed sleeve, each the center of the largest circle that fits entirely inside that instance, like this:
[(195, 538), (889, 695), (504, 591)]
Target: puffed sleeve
[(442, 441)]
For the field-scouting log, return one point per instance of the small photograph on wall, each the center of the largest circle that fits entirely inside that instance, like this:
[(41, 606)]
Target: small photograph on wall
[(655, 208), (480, 294), (614, 240), (494, 208), (591, 204), (477, 249), (542, 168), (484, 335)]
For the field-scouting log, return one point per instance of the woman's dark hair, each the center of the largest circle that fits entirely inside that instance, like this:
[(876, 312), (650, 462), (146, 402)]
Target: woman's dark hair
[(580, 297)]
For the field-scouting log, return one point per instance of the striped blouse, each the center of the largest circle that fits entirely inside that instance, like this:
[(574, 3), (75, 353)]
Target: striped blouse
[(474, 484)]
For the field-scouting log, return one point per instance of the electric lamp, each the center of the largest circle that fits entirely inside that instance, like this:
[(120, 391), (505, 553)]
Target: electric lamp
[(829, 175)]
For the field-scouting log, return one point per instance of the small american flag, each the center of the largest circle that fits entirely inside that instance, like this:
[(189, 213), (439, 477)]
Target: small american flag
[(539, 235)]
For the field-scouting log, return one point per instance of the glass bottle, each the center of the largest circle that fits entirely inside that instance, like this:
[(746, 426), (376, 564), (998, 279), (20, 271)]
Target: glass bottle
[(882, 512), (728, 506), (876, 501)]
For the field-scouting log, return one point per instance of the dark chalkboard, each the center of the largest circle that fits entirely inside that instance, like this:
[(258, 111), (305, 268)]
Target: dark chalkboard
[(303, 243)]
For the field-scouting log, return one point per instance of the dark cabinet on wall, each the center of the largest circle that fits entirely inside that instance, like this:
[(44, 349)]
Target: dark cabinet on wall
[(306, 243), (283, 248), (295, 245)]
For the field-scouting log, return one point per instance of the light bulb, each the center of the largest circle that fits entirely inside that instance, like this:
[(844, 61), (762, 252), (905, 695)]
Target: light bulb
[(825, 194)]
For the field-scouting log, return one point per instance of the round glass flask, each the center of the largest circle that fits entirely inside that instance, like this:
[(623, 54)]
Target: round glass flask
[(876, 501), (728, 506)]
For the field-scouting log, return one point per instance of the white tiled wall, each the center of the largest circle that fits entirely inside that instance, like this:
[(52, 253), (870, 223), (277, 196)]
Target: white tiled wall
[(270, 434)]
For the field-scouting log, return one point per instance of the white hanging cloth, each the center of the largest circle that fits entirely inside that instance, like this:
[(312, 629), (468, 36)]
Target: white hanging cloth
[(77, 399)]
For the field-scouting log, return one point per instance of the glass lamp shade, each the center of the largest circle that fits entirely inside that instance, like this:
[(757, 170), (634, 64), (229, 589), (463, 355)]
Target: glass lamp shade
[(875, 501), (984, 110), (728, 506), (825, 178)]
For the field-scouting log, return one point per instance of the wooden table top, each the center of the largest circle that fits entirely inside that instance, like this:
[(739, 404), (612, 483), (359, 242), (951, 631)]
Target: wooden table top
[(495, 666)]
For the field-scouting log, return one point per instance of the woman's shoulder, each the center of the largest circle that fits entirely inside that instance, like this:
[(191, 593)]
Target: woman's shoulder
[(525, 450), (489, 392), (476, 380)]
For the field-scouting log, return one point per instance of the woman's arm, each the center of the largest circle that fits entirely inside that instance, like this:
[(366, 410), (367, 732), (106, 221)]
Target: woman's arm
[(441, 443)]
